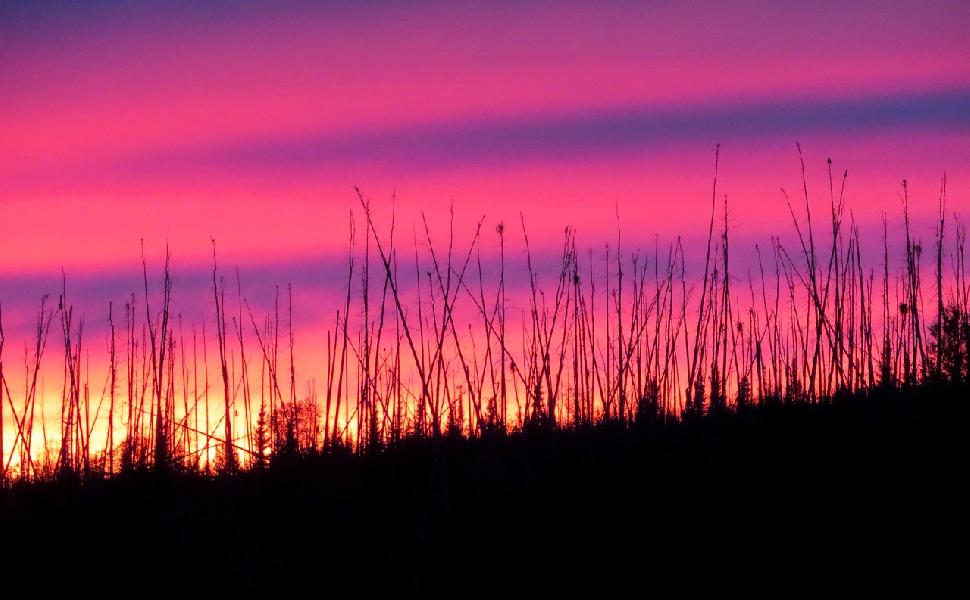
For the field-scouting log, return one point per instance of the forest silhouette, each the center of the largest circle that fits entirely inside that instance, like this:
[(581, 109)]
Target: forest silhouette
[(795, 430)]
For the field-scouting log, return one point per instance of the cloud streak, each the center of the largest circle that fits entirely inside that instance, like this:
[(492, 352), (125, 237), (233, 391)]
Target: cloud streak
[(510, 141)]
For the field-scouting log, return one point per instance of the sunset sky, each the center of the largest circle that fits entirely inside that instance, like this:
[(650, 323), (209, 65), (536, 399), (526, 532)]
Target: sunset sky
[(427, 295), (252, 122)]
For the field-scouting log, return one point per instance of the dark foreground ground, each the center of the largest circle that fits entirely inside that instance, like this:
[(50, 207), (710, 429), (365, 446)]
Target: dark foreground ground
[(862, 497)]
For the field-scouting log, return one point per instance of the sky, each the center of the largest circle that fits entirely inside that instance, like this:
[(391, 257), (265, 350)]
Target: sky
[(251, 123)]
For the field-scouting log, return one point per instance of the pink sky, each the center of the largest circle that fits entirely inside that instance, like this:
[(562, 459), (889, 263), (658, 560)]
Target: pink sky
[(180, 121), (251, 123)]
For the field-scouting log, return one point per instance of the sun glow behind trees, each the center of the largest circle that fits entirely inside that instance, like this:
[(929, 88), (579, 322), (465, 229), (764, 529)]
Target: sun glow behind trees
[(446, 334)]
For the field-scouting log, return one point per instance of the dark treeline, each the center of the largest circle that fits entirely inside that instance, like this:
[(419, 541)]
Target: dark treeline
[(429, 346), (802, 422), (859, 496)]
